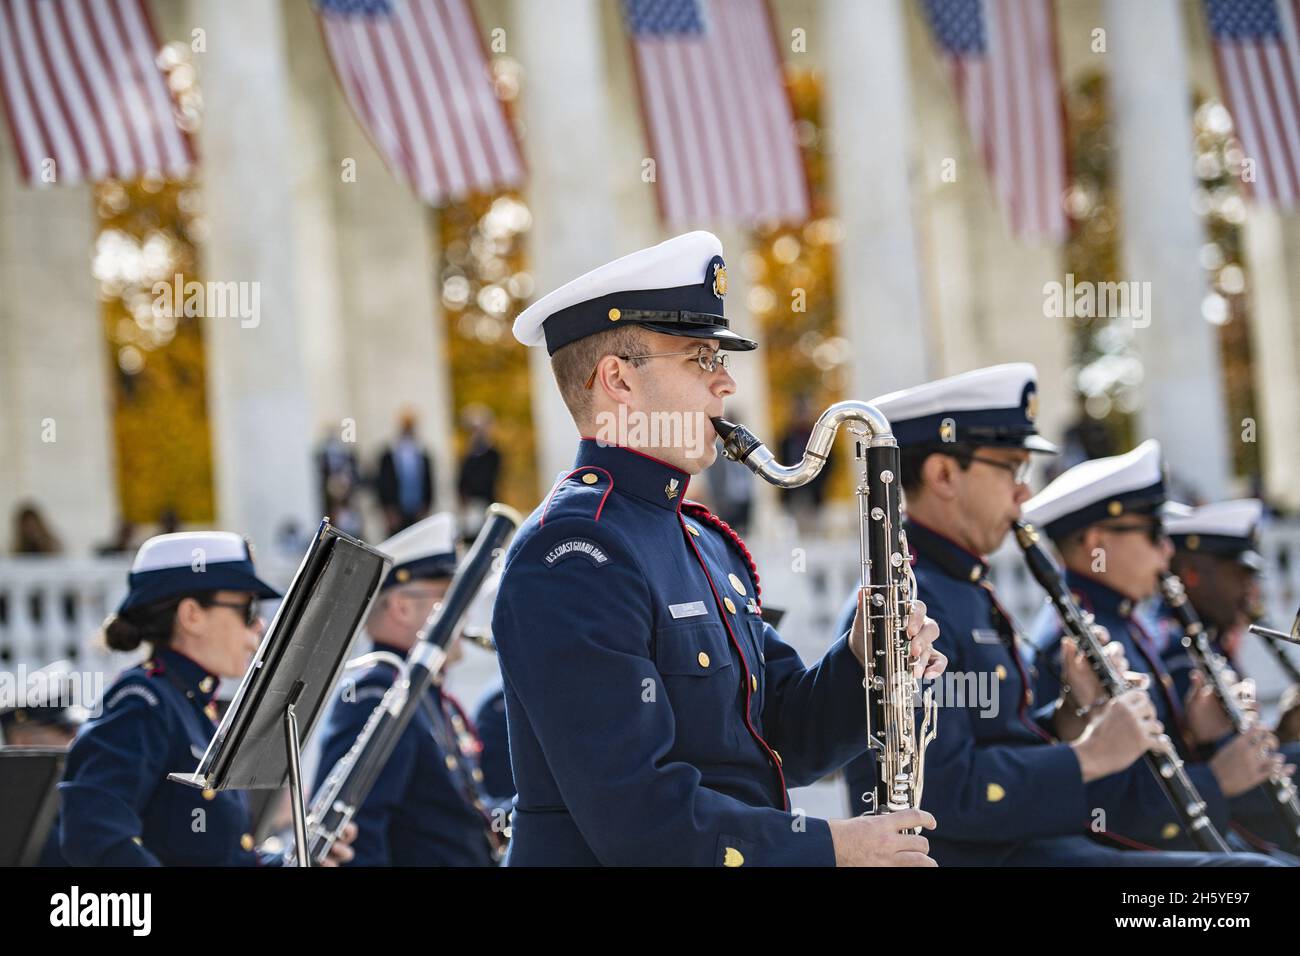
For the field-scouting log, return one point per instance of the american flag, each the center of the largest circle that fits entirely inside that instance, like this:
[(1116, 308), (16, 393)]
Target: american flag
[(417, 77), (717, 113), (1257, 49), (83, 93), (1002, 56)]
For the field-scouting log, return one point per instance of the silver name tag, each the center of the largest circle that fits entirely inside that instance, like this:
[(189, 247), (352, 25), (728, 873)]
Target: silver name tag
[(984, 636), (693, 609)]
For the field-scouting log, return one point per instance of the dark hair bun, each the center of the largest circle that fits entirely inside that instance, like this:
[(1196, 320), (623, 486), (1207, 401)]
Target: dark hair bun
[(123, 634), (152, 624)]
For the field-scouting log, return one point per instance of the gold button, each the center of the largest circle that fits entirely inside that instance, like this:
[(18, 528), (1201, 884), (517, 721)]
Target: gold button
[(246, 841), (975, 573), (615, 315), (451, 762), (590, 478), (1169, 831), (693, 530), (737, 584), (703, 659), (731, 606), (994, 793), (733, 857), (1001, 672), (753, 681), (137, 841), (209, 794), (477, 775)]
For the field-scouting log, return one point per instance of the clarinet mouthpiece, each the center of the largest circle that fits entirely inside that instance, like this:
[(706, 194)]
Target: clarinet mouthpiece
[(738, 442)]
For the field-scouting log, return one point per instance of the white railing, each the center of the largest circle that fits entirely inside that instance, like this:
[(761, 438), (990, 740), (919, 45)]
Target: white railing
[(51, 607), (812, 579)]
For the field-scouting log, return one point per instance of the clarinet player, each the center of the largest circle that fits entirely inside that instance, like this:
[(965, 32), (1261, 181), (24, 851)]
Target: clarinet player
[(654, 718)]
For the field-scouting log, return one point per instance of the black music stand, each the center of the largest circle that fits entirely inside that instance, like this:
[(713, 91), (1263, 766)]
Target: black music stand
[(259, 742), (28, 780), (1292, 638)]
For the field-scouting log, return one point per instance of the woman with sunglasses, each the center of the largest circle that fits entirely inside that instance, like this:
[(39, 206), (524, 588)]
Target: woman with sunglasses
[(193, 603)]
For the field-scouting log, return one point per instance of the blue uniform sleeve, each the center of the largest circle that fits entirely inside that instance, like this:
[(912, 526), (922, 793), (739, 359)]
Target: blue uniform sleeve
[(816, 717), (980, 791), (347, 719), (113, 769), (574, 642), (494, 761)]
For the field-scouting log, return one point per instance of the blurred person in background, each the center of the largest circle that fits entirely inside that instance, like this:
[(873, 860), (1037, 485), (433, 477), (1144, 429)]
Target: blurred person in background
[(405, 480), (480, 470), (32, 535)]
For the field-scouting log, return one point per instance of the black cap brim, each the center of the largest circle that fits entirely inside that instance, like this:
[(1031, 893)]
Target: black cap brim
[(725, 338)]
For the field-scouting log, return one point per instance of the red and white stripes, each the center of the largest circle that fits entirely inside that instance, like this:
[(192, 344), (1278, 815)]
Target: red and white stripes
[(719, 121), (83, 93), (419, 81)]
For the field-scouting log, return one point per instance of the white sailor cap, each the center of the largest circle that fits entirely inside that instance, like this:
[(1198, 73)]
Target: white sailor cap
[(676, 287), (424, 551), (989, 406), (1226, 529), (1093, 491), (191, 562)]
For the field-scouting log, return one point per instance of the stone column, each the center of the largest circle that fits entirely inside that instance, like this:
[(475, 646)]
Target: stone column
[(573, 184), (257, 369), (870, 117), (1272, 250), (1183, 390), (56, 439)]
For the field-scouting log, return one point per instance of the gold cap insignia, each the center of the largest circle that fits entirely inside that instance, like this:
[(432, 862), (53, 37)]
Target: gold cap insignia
[(719, 279), (947, 430), (402, 574), (1193, 542), (1115, 508), (1031, 406)]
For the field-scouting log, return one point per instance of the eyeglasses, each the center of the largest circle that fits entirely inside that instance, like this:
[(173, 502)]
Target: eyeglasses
[(708, 359), (249, 610), (1019, 470), (1154, 531)]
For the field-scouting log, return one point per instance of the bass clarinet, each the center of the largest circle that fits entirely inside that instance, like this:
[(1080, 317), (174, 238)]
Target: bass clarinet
[(1165, 764), (351, 779), (885, 597), (1215, 670)]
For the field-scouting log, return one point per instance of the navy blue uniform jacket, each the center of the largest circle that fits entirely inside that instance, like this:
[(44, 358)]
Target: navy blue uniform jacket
[(653, 717)]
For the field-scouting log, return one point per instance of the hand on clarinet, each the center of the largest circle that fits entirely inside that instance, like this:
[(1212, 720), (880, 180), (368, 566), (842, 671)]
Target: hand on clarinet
[(885, 839), (923, 632)]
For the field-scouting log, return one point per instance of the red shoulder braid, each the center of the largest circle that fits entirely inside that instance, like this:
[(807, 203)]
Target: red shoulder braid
[(701, 513)]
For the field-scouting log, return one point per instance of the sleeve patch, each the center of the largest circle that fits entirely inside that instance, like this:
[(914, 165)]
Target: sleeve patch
[(133, 690), (576, 548)]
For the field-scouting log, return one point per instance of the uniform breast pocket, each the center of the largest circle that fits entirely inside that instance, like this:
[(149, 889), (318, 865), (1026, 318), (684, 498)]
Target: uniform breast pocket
[(700, 680)]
